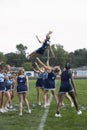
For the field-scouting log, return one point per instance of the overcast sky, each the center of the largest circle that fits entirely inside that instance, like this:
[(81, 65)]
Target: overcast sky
[(22, 20)]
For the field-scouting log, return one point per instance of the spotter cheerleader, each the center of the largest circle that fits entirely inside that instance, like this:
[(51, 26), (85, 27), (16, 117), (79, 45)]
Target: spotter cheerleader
[(49, 80), (67, 86)]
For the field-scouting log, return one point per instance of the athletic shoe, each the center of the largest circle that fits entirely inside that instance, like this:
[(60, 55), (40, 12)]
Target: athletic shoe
[(43, 106), (11, 107), (6, 109), (3, 110), (79, 112), (20, 114), (29, 111), (62, 105), (47, 104), (58, 115), (39, 103)]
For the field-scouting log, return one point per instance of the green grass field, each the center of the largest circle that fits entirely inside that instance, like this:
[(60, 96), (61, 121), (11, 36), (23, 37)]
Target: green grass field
[(69, 120)]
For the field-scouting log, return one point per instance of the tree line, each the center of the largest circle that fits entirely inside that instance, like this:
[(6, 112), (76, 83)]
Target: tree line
[(77, 58)]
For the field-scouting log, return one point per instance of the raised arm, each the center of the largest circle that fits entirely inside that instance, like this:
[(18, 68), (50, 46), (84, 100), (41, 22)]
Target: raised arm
[(45, 66), (38, 67), (50, 32), (52, 51), (38, 39), (36, 71)]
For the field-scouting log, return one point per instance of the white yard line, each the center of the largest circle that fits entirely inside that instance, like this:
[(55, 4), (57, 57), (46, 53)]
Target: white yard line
[(43, 119)]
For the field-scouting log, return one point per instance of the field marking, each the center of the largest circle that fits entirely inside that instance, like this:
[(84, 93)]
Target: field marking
[(43, 119)]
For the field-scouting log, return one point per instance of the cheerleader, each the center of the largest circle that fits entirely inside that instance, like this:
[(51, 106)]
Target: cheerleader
[(22, 91), (8, 84), (2, 90), (10, 81), (49, 80), (45, 45), (39, 83), (67, 86)]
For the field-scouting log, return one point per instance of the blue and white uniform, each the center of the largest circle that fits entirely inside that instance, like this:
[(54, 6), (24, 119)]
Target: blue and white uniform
[(43, 47), (49, 80), (8, 74), (39, 82), (11, 80), (65, 82), (21, 87), (8, 82), (2, 83)]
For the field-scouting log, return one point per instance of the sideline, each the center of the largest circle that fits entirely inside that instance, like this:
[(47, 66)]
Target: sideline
[(43, 119)]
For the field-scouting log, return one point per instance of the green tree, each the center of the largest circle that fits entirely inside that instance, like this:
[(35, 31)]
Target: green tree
[(60, 55), (27, 66), (15, 59), (21, 49), (12, 58), (71, 59), (3, 58), (80, 57)]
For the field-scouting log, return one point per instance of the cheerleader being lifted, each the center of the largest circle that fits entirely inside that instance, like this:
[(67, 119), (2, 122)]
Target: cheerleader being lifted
[(45, 45)]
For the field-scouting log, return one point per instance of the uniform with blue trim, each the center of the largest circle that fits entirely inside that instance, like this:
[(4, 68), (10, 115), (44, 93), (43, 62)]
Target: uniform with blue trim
[(43, 47), (49, 80), (21, 87), (65, 82), (8, 82), (2, 83), (39, 82)]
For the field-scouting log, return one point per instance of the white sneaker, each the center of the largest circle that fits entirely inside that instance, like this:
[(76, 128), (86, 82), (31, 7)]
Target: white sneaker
[(58, 115), (43, 106), (62, 105), (11, 107), (6, 109), (29, 111), (79, 112), (20, 114), (39, 103), (47, 104), (3, 110)]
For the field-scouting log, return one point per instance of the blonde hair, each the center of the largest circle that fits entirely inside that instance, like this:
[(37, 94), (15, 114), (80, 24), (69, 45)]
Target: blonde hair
[(57, 69), (21, 72)]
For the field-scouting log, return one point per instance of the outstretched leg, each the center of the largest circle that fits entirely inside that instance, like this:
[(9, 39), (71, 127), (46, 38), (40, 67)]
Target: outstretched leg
[(30, 55)]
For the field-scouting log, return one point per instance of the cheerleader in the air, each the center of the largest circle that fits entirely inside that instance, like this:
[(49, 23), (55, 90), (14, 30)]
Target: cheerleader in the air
[(45, 45)]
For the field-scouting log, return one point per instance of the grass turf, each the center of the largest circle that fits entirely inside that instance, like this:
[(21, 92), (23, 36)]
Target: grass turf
[(69, 121)]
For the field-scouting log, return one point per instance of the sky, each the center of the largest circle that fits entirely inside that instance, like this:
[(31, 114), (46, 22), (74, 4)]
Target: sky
[(22, 20)]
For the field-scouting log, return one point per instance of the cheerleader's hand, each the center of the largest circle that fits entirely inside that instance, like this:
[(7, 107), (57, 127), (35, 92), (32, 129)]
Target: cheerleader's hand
[(50, 32)]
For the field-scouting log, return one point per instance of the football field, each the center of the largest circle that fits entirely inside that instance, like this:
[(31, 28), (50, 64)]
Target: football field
[(44, 119)]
